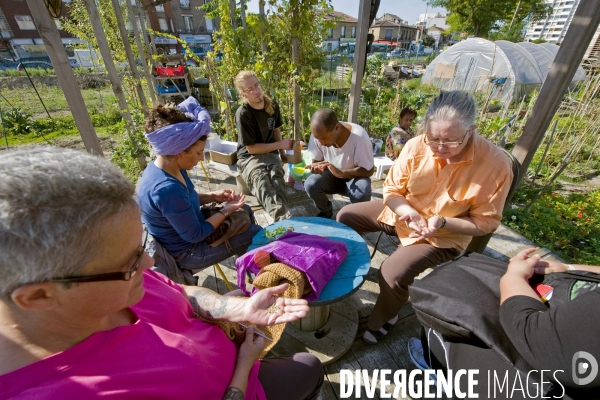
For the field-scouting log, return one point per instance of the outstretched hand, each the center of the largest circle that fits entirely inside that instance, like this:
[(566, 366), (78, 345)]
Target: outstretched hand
[(265, 308), (236, 202)]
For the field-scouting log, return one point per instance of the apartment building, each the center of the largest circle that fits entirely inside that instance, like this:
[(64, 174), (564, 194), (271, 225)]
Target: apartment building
[(182, 18), (554, 28), (344, 30), (393, 32), (20, 37)]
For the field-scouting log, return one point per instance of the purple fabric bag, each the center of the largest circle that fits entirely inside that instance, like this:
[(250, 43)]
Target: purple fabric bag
[(318, 257)]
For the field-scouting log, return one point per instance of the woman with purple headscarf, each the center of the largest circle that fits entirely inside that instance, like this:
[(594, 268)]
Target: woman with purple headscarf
[(170, 205)]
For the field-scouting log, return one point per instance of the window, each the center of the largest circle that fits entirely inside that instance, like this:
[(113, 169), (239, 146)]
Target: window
[(388, 33), (187, 20), (25, 22), (184, 3), (160, 8), (353, 34), (343, 33), (162, 22), (330, 32)]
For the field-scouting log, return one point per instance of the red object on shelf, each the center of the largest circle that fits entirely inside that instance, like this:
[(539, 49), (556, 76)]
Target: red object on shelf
[(170, 71)]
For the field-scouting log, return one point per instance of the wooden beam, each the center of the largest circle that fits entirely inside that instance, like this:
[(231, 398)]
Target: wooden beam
[(296, 64), (64, 73), (232, 8), (129, 53), (569, 56), (360, 55), (113, 75), (261, 12), (141, 49)]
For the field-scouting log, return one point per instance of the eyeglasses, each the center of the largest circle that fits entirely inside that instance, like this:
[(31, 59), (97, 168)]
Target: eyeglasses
[(253, 88), (437, 143), (110, 276)]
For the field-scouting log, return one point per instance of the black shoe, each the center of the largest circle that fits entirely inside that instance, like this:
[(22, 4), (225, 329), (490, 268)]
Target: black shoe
[(323, 214)]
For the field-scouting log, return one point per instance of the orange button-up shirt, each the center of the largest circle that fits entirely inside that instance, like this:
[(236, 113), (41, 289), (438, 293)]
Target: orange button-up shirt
[(474, 187)]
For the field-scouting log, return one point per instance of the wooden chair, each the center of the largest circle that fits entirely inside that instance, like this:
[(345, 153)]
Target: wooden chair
[(478, 243)]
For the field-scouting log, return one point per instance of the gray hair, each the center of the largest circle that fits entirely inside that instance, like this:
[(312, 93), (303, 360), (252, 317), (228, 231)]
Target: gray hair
[(454, 105), (53, 202)]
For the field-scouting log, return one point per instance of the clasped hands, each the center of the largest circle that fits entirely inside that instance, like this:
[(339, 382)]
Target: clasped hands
[(422, 227), (524, 265), (321, 166)]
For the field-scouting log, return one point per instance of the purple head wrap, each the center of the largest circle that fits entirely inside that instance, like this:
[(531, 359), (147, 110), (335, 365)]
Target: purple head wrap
[(173, 139)]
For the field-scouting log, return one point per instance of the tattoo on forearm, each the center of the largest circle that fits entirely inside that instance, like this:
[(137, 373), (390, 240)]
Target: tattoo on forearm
[(233, 393), (208, 304)]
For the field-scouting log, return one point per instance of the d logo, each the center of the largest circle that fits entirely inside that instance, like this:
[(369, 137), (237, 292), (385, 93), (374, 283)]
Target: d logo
[(580, 367)]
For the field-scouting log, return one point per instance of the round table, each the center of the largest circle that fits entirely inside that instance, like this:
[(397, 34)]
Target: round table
[(330, 327)]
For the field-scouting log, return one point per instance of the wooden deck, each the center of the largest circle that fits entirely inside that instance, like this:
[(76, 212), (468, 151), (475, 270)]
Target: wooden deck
[(391, 353)]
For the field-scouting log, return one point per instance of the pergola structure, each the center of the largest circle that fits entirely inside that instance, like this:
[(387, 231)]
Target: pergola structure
[(555, 86)]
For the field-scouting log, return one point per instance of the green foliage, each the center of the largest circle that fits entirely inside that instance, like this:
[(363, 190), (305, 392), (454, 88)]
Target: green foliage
[(274, 67), (373, 68), (17, 122), (567, 225), (12, 72), (489, 126), (512, 33), (130, 147), (480, 17), (428, 40)]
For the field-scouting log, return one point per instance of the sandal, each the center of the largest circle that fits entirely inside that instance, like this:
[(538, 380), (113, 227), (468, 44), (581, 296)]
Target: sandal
[(372, 337), (388, 326)]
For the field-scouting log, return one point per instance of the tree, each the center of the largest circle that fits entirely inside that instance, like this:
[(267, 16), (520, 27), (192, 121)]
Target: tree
[(480, 17), (272, 61), (428, 40), (512, 33)]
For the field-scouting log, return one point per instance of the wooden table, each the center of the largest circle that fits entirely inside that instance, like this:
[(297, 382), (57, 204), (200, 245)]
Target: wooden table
[(330, 327)]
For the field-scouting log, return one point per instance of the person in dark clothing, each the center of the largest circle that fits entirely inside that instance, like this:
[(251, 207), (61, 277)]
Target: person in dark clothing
[(261, 148), (560, 340)]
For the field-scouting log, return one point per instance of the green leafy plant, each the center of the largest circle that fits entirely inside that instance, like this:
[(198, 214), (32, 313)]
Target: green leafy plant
[(567, 225), (276, 233), (17, 122)]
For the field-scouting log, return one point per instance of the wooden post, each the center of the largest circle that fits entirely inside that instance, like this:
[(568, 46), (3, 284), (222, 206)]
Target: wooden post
[(232, 13), (113, 75), (129, 52), (141, 49), (261, 12), (243, 11), (561, 74), (64, 74), (296, 63), (151, 46), (360, 54)]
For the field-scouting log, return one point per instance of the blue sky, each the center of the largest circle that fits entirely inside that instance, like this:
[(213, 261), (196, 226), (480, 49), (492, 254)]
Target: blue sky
[(407, 10)]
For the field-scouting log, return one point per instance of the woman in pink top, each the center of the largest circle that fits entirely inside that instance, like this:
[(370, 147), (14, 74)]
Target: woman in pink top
[(82, 316)]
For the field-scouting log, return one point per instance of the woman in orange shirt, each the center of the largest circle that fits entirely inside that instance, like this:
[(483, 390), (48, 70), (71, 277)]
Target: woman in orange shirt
[(446, 186)]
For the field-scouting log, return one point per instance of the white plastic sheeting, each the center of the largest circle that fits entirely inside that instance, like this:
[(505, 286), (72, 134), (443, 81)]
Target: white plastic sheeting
[(479, 64)]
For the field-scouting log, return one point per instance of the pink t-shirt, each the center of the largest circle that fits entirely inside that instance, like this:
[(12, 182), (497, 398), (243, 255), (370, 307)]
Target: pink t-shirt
[(166, 354)]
